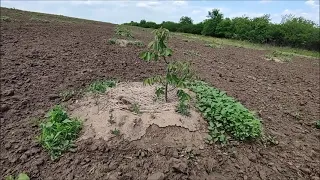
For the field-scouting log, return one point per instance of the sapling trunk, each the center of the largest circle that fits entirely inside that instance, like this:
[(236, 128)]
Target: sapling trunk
[(166, 86)]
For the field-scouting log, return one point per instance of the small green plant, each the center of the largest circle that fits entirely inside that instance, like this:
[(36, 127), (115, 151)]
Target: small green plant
[(135, 107), (176, 72), (123, 31), (101, 86), (112, 41), (318, 124), (5, 18), (21, 176), (226, 117), (159, 92), (268, 140), (66, 95), (58, 132), (183, 106), (115, 132)]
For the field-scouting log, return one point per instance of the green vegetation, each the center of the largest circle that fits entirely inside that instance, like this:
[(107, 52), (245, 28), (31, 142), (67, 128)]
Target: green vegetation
[(112, 41), (176, 72), (5, 18), (21, 176), (135, 107), (226, 116), (296, 32), (101, 86), (123, 31), (66, 95), (58, 132), (183, 106), (115, 132), (318, 124), (37, 19), (279, 56)]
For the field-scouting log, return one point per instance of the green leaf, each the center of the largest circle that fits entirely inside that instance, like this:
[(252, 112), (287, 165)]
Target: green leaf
[(23, 176), (168, 52)]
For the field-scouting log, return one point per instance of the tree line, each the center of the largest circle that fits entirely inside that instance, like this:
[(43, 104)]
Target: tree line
[(293, 31)]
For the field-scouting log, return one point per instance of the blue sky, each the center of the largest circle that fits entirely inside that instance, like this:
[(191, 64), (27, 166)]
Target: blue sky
[(158, 11)]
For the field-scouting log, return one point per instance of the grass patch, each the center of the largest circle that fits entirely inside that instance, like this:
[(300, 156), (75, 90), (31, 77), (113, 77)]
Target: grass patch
[(135, 107), (278, 56), (101, 86), (58, 132), (227, 118), (246, 44)]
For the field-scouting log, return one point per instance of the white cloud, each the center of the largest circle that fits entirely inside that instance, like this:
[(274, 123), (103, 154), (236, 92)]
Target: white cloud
[(180, 3), (148, 4), (265, 1), (312, 3)]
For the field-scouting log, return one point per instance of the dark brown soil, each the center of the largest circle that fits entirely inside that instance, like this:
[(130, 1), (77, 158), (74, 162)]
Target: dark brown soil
[(41, 59)]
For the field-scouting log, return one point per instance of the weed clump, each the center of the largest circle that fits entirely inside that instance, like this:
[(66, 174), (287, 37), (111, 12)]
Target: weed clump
[(21, 176), (123, 31), (101, 86), (279, 56), (226, 116), (5, 18), (58, 132)]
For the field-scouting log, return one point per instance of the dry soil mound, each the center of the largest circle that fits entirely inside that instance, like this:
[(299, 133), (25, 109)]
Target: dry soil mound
[(113, 110)]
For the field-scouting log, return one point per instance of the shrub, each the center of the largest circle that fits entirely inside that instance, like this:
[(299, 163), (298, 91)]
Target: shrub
[(226, 116), (101, 86), (58, 132)]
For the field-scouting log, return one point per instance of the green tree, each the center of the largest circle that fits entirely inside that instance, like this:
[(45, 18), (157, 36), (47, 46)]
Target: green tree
[(185, 20), (210, 25)]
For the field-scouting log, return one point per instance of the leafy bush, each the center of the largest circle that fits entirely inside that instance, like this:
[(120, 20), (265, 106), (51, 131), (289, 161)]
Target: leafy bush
[(58, 132), (101, 86), (226, 116), (183, 106)]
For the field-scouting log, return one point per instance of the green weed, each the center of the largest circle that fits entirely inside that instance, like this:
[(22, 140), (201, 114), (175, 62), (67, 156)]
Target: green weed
[(115, 132), (5, 18), (226, 116), (112, 41), (123, 31), (21, 176), (58, 132), (279, 56), (183, 106), (101, 86), (66, 95), (318, 124), (135, 107), (136, 43)]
